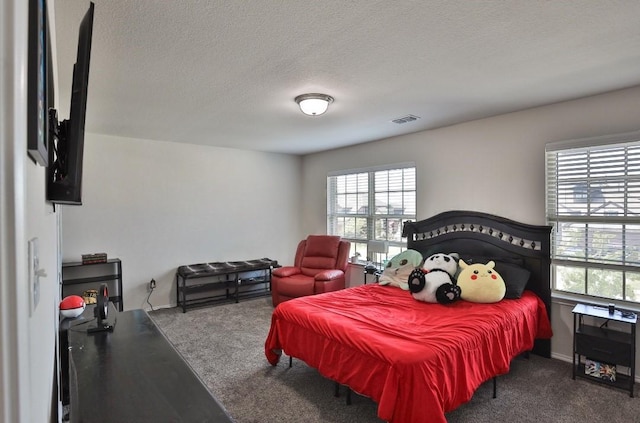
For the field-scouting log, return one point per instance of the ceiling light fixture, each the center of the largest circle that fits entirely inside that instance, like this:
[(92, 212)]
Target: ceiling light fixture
[(314, 104)]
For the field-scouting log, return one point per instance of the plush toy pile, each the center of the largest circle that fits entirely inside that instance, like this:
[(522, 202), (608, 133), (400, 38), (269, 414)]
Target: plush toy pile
[(445, 278)]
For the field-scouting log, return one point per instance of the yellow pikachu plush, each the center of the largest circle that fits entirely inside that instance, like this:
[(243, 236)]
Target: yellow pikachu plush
[(480, 283)]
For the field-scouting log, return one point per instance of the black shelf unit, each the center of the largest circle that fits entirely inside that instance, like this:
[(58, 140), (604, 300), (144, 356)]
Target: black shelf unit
[(600, 343), (77, 277)]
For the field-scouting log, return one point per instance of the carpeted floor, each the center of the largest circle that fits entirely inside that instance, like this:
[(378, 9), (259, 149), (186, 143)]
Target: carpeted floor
[(224, 344)]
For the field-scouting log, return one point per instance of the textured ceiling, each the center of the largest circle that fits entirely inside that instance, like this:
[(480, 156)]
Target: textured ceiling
[(225, 73)]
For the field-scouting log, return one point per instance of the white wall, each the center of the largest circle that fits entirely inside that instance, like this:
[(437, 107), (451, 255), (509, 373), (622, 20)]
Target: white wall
[(28, 342), (158, 205), (494, 165), (43, 324)]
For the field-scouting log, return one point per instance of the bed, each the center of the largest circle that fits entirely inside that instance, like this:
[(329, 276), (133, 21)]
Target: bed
[(419, 360)]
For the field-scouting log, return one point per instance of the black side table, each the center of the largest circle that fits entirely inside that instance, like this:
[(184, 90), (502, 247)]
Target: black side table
[(602, 345), (371, 270)]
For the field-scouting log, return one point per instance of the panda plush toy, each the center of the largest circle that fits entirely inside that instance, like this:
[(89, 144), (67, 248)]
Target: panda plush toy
[(435, 281)]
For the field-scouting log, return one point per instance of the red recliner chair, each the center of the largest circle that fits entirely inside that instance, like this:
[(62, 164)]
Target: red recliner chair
[(320, 266)]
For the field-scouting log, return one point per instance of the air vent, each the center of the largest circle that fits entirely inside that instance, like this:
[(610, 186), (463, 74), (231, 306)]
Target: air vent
[(405, 119)]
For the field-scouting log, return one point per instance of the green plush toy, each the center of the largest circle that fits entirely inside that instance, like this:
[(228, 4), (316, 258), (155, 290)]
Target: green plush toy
[(397, 270), (480, 283)]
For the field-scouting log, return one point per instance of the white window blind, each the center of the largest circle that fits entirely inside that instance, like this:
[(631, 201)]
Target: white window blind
[(593, 203), (372, 204)]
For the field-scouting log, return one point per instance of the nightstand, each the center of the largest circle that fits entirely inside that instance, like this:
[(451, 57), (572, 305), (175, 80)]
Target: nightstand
[(372, 270), (598, 350)]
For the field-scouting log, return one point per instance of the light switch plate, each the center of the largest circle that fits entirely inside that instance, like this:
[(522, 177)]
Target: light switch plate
[(34, 278)]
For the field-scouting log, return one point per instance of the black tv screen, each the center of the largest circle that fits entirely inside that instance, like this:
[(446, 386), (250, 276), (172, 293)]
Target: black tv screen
[(64, 175)]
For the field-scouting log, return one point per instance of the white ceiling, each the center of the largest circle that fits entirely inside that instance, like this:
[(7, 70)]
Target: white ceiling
[(225, 73)]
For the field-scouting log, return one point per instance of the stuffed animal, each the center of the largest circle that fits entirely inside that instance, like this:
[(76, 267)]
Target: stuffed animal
[(397, 270), (480, 283), (435, 282), (72, 306)]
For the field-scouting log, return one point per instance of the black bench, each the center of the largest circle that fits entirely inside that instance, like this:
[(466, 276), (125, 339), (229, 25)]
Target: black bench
[(201, 284)]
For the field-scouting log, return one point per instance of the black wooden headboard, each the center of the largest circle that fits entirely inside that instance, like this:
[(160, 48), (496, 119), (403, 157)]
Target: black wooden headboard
[(471, 233)]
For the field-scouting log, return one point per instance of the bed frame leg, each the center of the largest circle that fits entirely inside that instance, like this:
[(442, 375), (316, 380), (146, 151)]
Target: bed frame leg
[(336, 392), (290, 361), (495, 387)]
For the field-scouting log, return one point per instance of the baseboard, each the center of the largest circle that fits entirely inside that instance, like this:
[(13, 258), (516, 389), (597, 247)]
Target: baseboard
[(147, 308), (562, 357)]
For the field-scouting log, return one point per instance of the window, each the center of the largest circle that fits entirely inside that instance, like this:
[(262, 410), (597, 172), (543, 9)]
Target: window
[(593, 203), (372, 205)]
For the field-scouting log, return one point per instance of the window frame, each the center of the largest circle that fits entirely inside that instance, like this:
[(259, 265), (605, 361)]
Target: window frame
[(368, 212), (589, 183)]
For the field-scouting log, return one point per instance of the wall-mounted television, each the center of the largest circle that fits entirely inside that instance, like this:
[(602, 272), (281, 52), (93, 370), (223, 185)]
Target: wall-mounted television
[(66, 138)]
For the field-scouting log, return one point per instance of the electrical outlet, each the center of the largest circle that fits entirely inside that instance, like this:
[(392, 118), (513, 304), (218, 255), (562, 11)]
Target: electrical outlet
[(152, 284)]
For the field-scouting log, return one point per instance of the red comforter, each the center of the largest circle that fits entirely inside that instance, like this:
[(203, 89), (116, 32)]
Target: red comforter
[(416, 360)]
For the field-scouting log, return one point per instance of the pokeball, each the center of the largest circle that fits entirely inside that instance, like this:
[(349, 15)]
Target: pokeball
[(72, 306)]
